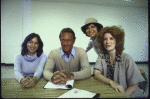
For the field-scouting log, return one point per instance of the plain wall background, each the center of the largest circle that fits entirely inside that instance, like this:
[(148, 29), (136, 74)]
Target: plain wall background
[(19, 18)]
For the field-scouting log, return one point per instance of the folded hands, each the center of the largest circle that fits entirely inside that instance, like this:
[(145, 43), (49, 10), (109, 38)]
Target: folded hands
[(28, 82), (60, 77)]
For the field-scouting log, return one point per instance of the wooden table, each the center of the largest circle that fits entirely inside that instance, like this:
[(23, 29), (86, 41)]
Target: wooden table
[(10, 88)]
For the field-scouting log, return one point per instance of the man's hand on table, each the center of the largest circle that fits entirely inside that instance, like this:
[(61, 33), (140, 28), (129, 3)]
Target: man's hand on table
[(60, 77), (29, 82)]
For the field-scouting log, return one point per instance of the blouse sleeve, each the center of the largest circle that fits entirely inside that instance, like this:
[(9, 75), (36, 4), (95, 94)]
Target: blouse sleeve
[(133, 74), (90, 45), (39, 70), (17, 68)]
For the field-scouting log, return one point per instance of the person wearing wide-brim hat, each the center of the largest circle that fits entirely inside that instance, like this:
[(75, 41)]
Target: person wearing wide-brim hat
[(90, 29)]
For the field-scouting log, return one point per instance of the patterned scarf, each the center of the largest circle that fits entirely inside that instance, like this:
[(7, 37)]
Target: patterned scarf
[(111, 68)]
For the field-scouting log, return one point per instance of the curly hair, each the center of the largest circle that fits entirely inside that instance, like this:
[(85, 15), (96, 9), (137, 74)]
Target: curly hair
[(117, 33), (24, 49)]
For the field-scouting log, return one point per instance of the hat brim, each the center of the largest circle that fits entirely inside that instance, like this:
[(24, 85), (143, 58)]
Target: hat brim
[(83, 28)]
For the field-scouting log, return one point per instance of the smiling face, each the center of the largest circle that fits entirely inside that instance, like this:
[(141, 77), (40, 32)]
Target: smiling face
[(109, 42), (67, 42), (91, 30), (32, 46)]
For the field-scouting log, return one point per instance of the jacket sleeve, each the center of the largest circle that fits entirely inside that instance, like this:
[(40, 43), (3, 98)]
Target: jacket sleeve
[(85, 66), (133, 74), (49, 66), (39, 70), (17, 68), (90, 45), (98, 64)]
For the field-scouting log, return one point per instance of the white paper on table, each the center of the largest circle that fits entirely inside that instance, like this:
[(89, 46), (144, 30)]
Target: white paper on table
[(77, 93), (61, 86)]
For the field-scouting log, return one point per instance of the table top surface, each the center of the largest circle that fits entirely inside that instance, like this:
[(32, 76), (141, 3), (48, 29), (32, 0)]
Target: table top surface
[(10, 88)]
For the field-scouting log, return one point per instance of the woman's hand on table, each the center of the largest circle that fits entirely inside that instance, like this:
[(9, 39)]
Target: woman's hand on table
[(116, 86), (23, 81), (29, 82)]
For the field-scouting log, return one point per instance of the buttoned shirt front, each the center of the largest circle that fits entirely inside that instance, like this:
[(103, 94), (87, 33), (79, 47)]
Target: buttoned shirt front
[(62, 53)]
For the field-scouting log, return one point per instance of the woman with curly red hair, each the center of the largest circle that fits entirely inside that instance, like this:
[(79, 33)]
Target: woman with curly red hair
[(115, 67)]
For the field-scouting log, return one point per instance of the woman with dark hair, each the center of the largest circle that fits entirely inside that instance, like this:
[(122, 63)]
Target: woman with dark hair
[(115, 67), (28, 65), (90, 29)]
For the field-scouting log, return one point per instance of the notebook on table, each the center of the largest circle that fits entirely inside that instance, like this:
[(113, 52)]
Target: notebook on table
[(68, 85)]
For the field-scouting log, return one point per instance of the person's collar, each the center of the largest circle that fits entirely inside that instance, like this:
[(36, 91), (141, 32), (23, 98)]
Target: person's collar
[(63, 53), (118, 58), (30, 58), (93, 40), (105, 56)]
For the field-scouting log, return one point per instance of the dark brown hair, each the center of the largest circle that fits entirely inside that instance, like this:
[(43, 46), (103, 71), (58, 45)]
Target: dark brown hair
[(69, 30), (117, 33), (24, 49), (96, 24)]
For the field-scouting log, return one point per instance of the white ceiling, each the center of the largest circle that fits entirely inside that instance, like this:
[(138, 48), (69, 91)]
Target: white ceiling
[(124, 3)]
